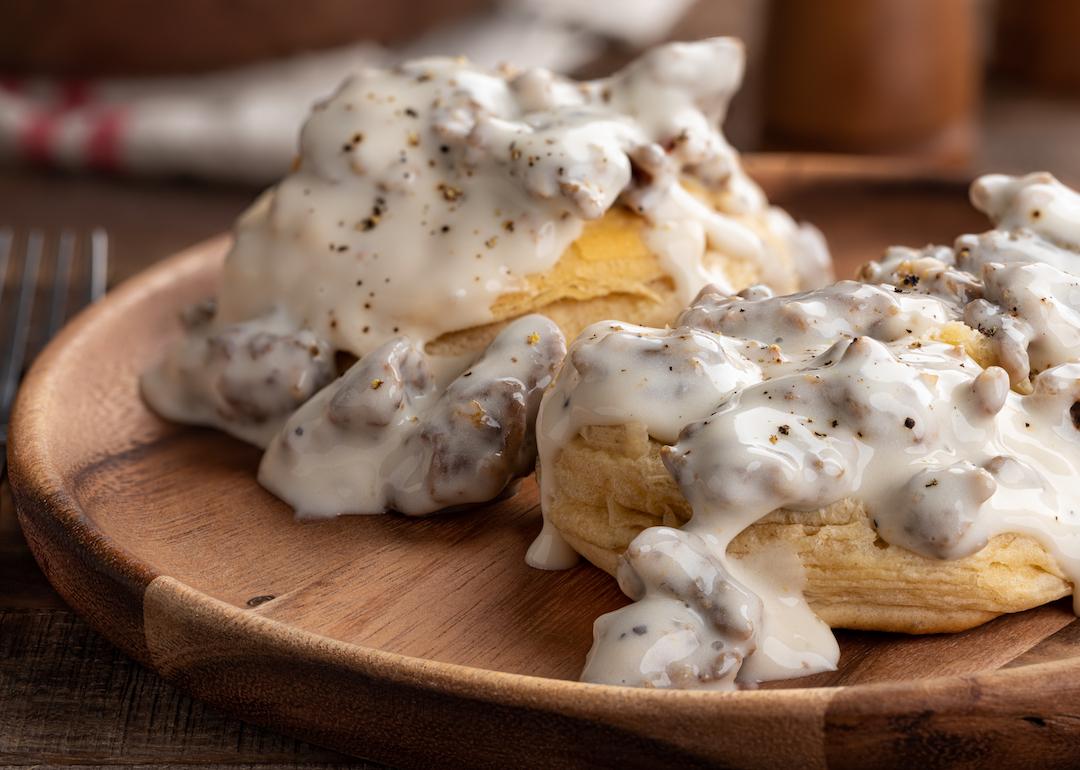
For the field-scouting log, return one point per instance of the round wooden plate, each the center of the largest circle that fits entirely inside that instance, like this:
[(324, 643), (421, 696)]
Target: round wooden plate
[(430, 641)]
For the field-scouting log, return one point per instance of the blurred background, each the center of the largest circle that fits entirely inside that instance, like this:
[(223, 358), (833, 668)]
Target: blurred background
[(160, 120)]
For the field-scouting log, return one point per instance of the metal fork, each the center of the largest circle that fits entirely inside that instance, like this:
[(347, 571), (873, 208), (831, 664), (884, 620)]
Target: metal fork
[(17, 318)]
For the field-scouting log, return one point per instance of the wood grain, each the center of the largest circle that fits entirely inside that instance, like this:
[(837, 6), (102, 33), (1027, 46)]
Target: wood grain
[(120, 712), (416, 640), (22, 586), (69, 697)]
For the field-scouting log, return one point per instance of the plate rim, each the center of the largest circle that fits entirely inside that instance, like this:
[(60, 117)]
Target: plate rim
[(47, 509)]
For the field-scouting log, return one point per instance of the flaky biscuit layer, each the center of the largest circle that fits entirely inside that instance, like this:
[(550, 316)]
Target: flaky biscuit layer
[(609, 272), (609, 483)]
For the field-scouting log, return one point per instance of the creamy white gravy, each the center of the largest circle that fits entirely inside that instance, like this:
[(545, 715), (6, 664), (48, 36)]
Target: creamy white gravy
[(246, 376), (424, 193), (843, 392), (385, 436)]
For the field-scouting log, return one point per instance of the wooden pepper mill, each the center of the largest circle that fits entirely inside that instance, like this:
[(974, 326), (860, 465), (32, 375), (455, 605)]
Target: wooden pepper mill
[(893, 77), (1036, 44)]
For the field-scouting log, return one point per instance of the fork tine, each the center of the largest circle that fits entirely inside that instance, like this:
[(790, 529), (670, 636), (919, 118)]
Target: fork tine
[(21, 331), (5, 254), (99, 263), (65, 254)]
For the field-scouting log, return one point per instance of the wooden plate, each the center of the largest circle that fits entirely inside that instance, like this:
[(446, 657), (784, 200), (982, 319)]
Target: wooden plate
[(429, 640)]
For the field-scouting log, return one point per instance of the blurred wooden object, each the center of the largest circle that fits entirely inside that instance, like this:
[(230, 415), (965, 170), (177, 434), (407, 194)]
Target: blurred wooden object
[(1036, 43), (872, 76), (134, 37)]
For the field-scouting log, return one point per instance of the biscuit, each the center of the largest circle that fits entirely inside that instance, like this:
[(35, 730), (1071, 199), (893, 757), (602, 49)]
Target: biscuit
[(610, 484)]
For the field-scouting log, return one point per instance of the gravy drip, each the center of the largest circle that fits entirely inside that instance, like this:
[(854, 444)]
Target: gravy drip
[(857, 390)]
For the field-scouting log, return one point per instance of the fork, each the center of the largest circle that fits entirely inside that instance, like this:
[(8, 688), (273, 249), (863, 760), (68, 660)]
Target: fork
[(18, 321)]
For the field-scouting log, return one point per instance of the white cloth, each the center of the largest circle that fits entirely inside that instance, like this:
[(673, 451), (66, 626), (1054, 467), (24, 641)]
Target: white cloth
[(242, 125)]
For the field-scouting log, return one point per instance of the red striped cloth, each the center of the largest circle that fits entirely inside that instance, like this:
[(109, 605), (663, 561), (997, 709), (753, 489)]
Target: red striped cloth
[(238, 125), (70, 102), (242, 125)]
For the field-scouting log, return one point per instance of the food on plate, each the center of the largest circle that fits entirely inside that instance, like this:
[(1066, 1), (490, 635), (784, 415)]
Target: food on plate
[(898, 453), (425, 448), (433, 206)]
